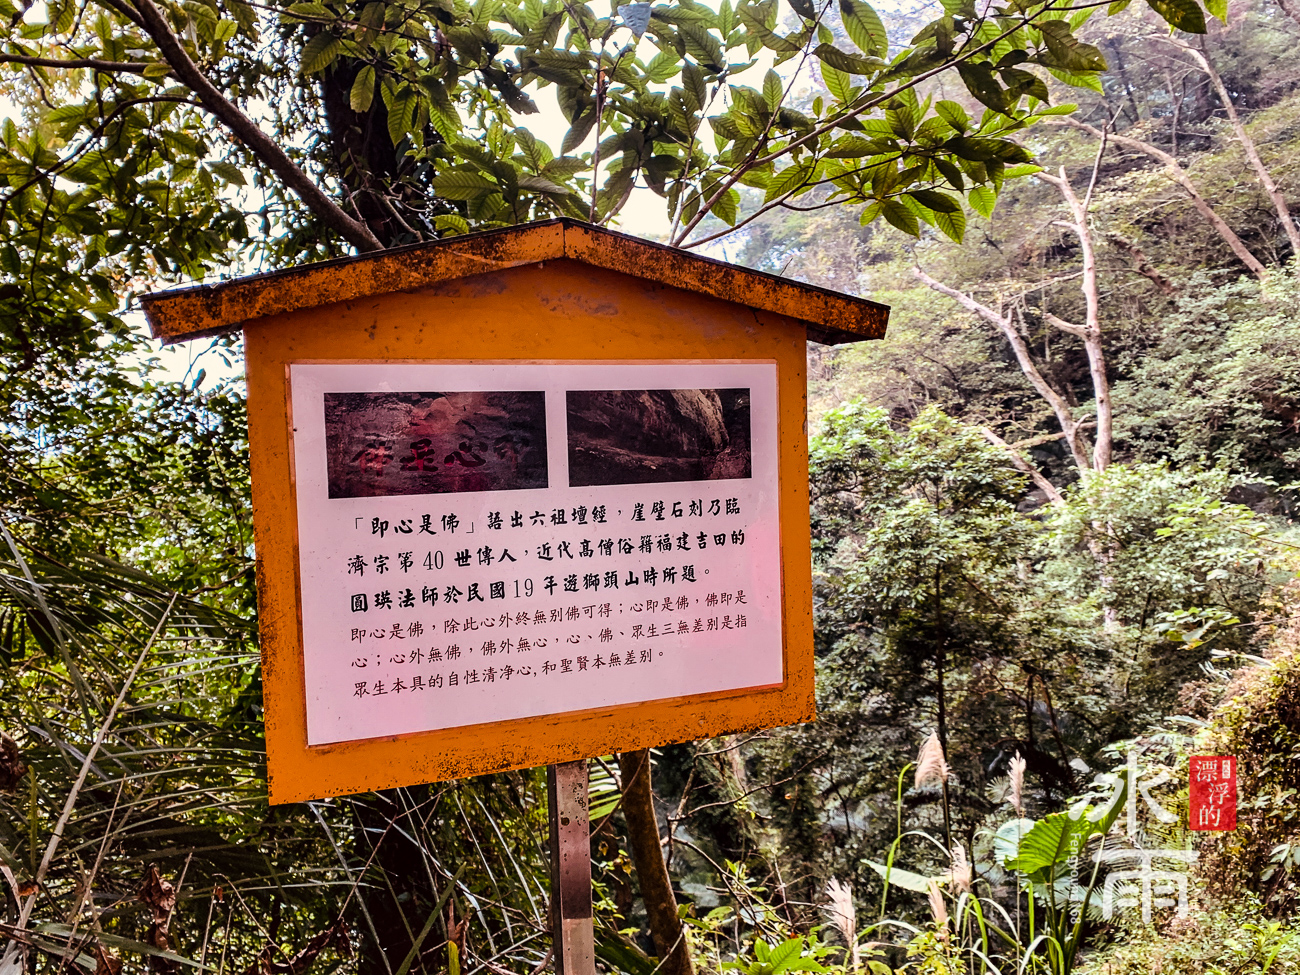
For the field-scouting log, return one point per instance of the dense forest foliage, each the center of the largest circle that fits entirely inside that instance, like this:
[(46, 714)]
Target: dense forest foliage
[(1052, 521)]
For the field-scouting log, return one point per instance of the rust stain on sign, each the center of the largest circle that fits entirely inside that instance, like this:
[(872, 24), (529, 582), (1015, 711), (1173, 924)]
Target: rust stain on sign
[(189, 313)]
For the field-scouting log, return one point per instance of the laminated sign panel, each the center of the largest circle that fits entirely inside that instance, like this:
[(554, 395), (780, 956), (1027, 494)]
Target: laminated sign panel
[(530, 498)]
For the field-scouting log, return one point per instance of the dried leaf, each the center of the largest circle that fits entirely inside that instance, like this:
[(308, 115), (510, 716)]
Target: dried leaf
[(844, 915), (268, 963), (938, 908), (106, 964), (12, 768), (159, 895)]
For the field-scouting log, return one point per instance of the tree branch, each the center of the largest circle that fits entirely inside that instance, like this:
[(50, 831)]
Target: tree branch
[(248, 132), (1179, 176), (1043, 484), (1143, 265), (1065, 326), (1091, 331), (110, 67), (1059, 406), (1252, 153)]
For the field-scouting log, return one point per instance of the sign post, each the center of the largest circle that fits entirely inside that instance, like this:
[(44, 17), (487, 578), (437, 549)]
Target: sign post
[(571, 922), (522, 498)]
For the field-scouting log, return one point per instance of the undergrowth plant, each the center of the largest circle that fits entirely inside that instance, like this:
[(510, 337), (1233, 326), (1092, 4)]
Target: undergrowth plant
[(1042, 931)]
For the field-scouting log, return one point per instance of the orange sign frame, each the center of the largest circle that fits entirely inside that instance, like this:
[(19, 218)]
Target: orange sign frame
[(550, 302)]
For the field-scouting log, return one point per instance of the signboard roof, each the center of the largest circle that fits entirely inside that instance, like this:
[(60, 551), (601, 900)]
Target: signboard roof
[(831, 318)]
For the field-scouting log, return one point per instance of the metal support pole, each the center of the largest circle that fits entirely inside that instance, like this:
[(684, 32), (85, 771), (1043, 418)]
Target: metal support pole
[(571, 925)]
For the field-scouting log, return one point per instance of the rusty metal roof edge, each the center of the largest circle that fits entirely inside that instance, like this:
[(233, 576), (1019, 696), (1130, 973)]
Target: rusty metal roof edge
[(868, 317)]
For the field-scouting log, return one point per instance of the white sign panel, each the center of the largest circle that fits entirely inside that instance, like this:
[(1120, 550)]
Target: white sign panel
[(484, 542)]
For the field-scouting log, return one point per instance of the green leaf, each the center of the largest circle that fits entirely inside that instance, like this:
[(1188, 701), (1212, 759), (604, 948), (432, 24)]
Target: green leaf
[(62, 14), (768, 37), (1077, 79), (442, 110), (231, 173), (897, 875), (779, 957), (1021, 82), (979, 149), (579, 130), (936, 201), (727, 207), (1006, 841), (850, 63), (540, 184), (982, 200), (314, 11), (662, 66), (785, 180), (320, 52), (363, 89), (953, 114), (451, 223), (981, 82), (852, 147), (1184, 15), (401, 115), (951, 173), (1218, 8), (1071, 54), (864, 27), (838, 82), (458, 185), (773, 90), (1065, 108)]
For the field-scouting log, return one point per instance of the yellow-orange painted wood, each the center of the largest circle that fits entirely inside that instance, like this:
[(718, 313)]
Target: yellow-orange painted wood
[(213, 309), (523, 306)]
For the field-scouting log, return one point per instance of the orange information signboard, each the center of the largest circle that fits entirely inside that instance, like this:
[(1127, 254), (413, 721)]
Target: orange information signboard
[(521, 498)]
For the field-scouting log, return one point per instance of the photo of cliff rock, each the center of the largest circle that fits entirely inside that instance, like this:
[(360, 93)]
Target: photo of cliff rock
[(649, 436), (385, 444)]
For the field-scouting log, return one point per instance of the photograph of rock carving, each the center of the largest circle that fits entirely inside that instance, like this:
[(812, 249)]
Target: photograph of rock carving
[(385, 444), (648, 436)]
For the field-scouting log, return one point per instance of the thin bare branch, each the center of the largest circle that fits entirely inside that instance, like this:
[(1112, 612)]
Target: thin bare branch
[(1040, 481)]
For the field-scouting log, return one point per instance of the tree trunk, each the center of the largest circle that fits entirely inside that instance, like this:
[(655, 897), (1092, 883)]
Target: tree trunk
[(1091, 330), (1252, 155), (652, 874)]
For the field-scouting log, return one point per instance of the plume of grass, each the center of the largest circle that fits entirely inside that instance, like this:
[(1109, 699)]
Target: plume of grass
[(938, 908), (844, 916), (960, 873), (1016, 792), (931, 766)]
